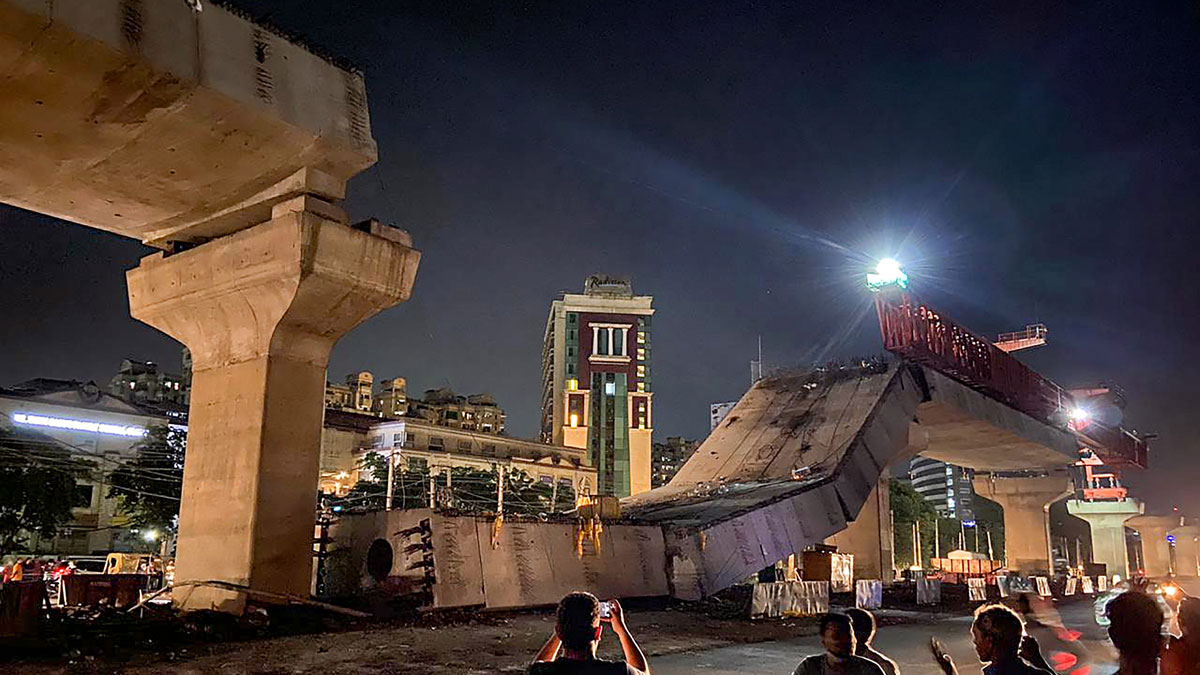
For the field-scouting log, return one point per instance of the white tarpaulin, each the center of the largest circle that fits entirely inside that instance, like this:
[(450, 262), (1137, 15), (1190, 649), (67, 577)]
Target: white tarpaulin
[(1087, 586), (1043, 586), (789, 598), (868, 593), (929, 591), (976, 591), (1072, 582)]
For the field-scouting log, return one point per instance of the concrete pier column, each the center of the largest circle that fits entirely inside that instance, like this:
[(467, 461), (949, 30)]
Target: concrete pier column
[(260, 309), (1026, 503), (1107, 523), (1187, 550), (869, 536), (1156, 550)]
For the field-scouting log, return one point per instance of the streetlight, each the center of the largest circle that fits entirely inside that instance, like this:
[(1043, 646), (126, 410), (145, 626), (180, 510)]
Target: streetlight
[(887, 273)]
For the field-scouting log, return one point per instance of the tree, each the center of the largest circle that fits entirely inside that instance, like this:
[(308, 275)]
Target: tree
[(37, 488), (908, 507), (148, 486)]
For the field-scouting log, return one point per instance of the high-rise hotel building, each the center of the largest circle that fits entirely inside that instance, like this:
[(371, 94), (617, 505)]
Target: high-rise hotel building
[(596, 386)]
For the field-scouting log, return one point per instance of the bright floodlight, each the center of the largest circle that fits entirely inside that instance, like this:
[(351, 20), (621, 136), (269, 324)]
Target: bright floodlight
[(887, 273), (150, 535), (1079, 415)]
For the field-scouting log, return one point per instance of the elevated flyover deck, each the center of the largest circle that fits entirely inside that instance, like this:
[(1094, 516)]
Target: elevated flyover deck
[(165, 124)]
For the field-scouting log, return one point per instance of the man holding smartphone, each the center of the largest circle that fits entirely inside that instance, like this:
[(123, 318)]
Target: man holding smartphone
[(580, 622)]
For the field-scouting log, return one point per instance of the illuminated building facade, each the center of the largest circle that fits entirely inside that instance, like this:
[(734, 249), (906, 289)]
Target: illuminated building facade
[(92, 425), (145, 382), (946, 487), (597, 389), (417, 444), (669, 457)]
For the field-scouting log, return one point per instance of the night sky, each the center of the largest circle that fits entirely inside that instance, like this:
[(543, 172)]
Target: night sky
[(743, 165)]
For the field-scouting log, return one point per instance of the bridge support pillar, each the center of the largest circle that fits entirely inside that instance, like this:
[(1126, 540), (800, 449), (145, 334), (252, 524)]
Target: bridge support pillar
[(1026, 503), (1187, 550), (260, 309), (869, 536), (1156, 550), (1107, 523)]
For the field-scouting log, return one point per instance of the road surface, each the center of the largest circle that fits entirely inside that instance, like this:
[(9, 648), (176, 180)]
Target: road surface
[(907, 644)]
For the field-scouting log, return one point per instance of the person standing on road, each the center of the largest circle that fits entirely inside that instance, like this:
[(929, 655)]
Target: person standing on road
[(864, 632), (837, 636), (1182, 656), (997, 633), (1135, 628), (578, 626)]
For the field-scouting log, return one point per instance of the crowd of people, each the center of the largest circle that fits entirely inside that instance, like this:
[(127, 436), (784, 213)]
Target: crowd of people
[(998, 633)]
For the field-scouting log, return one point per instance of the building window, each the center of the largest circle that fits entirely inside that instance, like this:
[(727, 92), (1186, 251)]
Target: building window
[(376, 442), (397, 440), (81, 498), (451, 414), (571, 318), (570, 368), (548, 480), (464, 445), (436, 443), (610, 388)]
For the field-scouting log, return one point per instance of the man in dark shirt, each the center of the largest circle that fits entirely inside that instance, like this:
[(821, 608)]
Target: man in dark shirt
[(577, 631), (997, 633), (837, 637)]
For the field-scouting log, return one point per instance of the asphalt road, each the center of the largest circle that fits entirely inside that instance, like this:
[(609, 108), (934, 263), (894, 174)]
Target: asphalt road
[(907, 644)]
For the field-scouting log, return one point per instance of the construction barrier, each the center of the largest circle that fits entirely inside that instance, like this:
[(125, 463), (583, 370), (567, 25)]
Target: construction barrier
[(868, 593), (1102, 584), (929, 591), (112, 590), (789, 598), (976, 590), (21, 607), (965, 567), (1043, 586), (1087, 585), (1072, 582)]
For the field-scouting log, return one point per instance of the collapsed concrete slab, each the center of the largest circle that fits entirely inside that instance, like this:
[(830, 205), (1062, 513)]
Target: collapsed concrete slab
[(793, 462)]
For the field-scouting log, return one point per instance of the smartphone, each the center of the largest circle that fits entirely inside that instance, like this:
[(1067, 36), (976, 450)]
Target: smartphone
[(605, 610)]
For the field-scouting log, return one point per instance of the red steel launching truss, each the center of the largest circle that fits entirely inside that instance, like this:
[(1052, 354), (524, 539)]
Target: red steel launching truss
[(917, 332)]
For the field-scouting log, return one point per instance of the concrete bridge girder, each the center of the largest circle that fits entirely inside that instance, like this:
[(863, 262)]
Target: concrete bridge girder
[(260, 311), (150, 119), (1187, 550), (1026, 503), (1107, 523), (1156, 550), (208, 132)]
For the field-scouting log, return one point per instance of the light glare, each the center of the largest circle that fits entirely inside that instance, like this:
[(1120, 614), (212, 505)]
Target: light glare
[(78, 425), (888, 272)]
